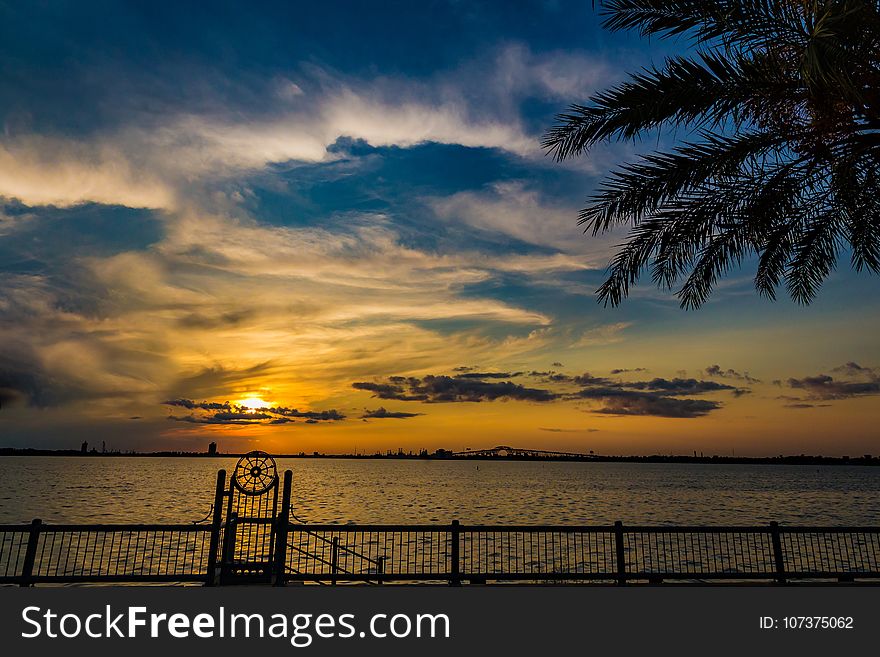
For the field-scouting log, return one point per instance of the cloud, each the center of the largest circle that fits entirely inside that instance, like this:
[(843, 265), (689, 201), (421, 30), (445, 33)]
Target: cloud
[(192, 405), (487, 375), (679, 386), (825, 387), (658, 397), (587, 379), (222, 418), (854, 369), (443, 389), (602, 335), (511, 210), (332, 414), (381, 413), (626, 370), (43, 171), (717, 371), (627, 402), (228, 413), (156, 157)]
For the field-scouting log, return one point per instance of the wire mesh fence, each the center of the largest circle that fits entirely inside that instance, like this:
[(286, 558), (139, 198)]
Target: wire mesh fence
[(810, 552), (543, 554), (700, 553), (368, 553), (13, 547), (455, 554)]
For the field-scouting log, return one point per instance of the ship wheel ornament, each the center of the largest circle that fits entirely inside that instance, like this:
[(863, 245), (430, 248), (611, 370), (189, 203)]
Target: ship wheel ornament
[(255, 473)]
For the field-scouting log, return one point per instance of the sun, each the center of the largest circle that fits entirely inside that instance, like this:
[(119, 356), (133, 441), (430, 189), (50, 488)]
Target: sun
[(253, 403)]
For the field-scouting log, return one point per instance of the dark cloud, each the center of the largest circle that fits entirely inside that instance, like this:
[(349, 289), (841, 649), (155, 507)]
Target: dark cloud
[(226, 416), (625, 402), (718, 371), (218, 418), (488, 375), (228, 413), (443, 389), (587, 379), (381, 413), (805, 405), (659, 397), (618, 400), (825, 387), (203, 405), (24, 380), (854, 369), (388, 390), (18, 387), (332, 414), (557, 364), (625, 370), (679, 386)]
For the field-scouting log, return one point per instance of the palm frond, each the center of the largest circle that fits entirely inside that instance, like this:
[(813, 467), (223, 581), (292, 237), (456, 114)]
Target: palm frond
[(780, 104)]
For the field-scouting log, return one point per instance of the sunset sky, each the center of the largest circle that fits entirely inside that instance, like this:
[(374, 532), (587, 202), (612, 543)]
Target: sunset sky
[(331, 227)]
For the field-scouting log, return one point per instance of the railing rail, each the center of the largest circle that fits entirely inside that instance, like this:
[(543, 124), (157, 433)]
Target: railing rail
[(454, 554)]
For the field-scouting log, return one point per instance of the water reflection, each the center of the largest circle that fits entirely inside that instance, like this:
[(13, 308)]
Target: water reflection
[(116, 490)]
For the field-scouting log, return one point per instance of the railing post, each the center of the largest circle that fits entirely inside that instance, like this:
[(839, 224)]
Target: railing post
[(30, 555), (334, 559), (455, 575), (777, 552), (213, 576), (620, 558), (380, 570), (281, 523), (228, 545)]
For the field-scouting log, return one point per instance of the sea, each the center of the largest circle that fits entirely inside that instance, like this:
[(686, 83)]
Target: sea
[(368, 491)]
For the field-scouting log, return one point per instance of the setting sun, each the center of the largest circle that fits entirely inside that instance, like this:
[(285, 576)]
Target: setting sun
[(254, 403)]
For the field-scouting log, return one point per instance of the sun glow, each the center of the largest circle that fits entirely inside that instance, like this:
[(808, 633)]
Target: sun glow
[(253, 403)]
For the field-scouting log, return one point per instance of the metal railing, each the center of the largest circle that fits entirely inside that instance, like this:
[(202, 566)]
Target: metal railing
[(454, 554), (41, 553)]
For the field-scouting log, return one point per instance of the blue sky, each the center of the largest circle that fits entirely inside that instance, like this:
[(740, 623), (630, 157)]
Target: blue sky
[(264, 204)]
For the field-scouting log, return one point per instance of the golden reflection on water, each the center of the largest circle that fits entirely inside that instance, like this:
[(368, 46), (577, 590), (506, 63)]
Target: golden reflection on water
[(171, 490)]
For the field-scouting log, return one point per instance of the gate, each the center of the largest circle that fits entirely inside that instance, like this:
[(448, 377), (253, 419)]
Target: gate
[(251, 521)]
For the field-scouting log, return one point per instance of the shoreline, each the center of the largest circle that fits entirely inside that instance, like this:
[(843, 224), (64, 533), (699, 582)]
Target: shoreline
[(800, 459)]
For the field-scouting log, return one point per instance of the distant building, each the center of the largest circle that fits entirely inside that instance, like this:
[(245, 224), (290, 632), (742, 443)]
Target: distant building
[(85, 447), (212, 449)]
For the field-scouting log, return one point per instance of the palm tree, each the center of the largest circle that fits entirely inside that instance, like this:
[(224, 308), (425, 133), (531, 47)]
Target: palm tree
[(779, 102)]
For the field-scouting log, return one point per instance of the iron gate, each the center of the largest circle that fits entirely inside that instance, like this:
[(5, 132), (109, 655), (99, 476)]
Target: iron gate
[(248, 513)]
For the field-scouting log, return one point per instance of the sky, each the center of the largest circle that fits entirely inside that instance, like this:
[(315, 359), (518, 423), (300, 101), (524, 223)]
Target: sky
[(331, 227)]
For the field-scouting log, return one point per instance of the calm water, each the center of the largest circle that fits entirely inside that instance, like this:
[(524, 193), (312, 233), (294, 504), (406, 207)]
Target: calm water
[(106, 490)]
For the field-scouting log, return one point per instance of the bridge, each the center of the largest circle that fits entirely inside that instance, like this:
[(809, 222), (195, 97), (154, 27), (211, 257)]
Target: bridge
[(505, 451)]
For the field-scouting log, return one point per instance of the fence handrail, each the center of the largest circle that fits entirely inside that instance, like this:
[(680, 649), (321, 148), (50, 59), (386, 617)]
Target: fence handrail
[(832, 529), (801, 529), (455, 552)]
